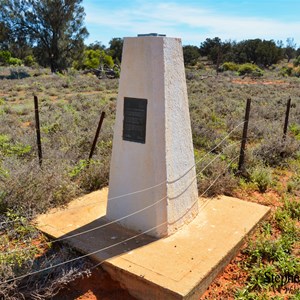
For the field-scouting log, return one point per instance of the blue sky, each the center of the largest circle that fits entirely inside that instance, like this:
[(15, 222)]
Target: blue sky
[(194, 21)]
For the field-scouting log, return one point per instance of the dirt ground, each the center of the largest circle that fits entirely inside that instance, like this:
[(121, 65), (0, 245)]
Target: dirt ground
[(98, 286)]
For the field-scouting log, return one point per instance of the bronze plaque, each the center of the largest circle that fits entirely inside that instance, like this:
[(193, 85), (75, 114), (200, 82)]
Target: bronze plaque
[(134, 122)]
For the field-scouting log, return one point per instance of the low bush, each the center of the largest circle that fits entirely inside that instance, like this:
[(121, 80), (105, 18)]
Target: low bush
[(250, 69), (29, 61), (15, 61), (286, 71), (262, 177), (230, 66), (216, 178), (297, 61), (296, 72), (5, 56), (275, 151)]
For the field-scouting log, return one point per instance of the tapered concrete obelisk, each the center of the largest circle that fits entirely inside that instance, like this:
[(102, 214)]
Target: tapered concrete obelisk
[(152, 174)]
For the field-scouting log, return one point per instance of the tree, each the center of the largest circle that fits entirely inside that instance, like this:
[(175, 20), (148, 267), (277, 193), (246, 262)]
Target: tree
[(93, 59), (268, 53), (55, 27), (257, 51), (190, 54), (115, 49), (4, 36), (216, 50), (211, 48), (290, 50), (95, 46)]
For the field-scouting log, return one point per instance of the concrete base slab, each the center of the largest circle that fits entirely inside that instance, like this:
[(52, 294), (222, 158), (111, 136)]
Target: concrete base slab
[(180, 266)]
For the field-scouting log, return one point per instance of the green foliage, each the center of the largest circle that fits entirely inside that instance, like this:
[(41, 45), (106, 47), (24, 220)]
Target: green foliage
[(245, 294), (190, 55), (261, 177), (214, 49), (292, 206), (258, 279), (29, 60), (285, 223), (257, 51), (290, 50), (8, 147), (15, 61), (250, 69), (115, 49), (297, 61), (293, 185), (230, 66), (261, 52), (271, 258), (106, 60), (296, 72), (55, 28), (94, 58), (294, 128), (91, 59), (286, 71), (83, 163), (265, 249), (3, 174), (5, 56)]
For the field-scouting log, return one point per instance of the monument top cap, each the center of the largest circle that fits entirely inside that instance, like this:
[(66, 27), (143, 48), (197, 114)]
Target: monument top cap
[(151, 34)]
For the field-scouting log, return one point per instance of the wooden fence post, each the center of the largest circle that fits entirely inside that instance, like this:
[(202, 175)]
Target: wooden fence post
[(38, 131), (287, 115), (97, 135), (244, 138)]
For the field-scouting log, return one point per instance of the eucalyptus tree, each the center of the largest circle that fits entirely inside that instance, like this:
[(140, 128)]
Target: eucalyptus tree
[(53, 27)]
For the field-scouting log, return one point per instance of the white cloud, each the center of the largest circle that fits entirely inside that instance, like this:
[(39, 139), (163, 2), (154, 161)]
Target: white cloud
[(192, 23)]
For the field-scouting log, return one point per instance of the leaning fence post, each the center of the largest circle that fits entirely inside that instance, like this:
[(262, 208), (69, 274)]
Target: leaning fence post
[(287, 115), (97, 135), (244, 138), (286, 124), (37, 128)]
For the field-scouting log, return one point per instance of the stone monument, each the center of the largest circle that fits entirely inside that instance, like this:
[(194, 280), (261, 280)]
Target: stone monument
[(152, 180)]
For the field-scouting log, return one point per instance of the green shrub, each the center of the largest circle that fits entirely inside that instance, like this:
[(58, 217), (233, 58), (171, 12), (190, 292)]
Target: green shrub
[(5, 56), (230, 66), (262, 177), (296, 72), (8, 147), (286, 71), (250, 69), (294, 128), (15, 61), (29, 61), (94, 58), (293, 185), (297, 61), (286, 224)]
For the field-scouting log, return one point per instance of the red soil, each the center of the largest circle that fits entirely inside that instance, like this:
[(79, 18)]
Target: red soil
[(98, 286), (251, 81)]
